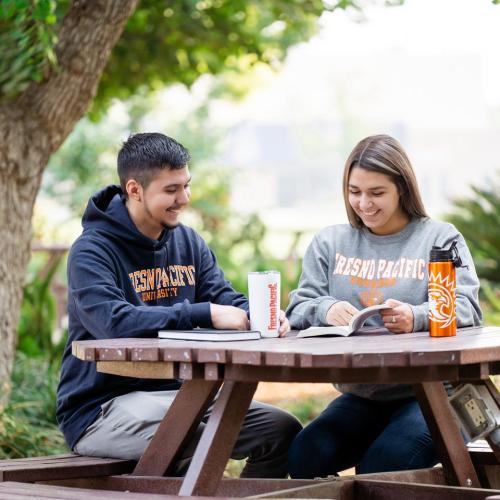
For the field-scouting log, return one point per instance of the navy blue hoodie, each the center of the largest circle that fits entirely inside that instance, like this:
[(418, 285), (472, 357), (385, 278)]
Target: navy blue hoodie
[(123, 284)]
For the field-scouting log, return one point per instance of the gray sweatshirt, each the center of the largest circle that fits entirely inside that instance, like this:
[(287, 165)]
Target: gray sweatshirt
[(345, 263)]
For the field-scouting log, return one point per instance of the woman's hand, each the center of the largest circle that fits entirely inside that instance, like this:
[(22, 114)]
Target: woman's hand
[(284, 324), (398, 319), (340, 313)]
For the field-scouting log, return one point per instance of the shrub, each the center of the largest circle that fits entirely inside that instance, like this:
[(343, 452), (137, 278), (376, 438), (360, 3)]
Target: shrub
[(28, 425), (477, 218), (38, 316)]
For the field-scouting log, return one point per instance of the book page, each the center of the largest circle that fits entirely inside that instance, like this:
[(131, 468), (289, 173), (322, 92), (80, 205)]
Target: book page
[(318, 331), (358, 320), (355, 325)]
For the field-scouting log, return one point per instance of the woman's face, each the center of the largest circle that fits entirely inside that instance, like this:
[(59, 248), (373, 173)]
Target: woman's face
[(375, 199)]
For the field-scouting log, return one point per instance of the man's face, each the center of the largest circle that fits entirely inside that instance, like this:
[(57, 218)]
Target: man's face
[(163, 200)]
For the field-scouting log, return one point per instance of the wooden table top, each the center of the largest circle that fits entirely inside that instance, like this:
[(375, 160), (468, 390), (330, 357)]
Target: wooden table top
[(469, 346), (237, 368)]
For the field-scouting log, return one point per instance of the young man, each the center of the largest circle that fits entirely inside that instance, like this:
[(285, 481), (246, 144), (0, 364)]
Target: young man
[(135, 270)]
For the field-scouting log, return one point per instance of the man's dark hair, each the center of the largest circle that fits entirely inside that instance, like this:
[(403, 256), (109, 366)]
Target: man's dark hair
[(142, 154)]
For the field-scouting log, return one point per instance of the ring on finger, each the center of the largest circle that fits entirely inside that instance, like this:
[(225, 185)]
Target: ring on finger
[(394, 319)]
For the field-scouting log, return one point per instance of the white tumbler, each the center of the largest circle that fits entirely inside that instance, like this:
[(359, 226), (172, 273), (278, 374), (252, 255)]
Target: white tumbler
[(264, 299)]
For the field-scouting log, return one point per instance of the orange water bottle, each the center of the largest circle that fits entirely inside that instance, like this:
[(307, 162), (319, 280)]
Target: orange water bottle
[(442, 284)]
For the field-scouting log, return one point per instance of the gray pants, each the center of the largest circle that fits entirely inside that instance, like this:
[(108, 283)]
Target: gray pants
[(127, 423)]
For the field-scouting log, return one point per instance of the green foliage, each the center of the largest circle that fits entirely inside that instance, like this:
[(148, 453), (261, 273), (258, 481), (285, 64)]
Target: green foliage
[(491, 302), (86, 162), (38, 312), (28, 424), (27, 40), (304, 408), (21, 438), (179, 41), (35, 384), (81, 166), (478, 219), (237, 239), (163, 43)]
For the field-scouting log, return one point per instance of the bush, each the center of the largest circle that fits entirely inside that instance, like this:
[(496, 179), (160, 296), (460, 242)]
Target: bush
[(477, 218), (28, 425), (304, 408), (38, 316), (307, 408), (491, 302)]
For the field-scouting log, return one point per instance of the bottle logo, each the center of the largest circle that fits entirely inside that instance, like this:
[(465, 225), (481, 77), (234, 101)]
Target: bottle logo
[(441, 300)]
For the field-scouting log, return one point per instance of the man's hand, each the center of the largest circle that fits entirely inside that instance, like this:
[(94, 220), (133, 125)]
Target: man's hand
[(398, 319), (228, 317), (284, 324), (340, 313)]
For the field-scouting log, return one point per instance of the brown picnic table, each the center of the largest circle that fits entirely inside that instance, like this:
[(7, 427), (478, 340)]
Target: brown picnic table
[(236, 368)]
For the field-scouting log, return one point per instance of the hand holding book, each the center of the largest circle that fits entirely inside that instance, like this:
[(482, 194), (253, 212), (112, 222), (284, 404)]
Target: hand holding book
[(340, 313), (399, 318), (355, 325)]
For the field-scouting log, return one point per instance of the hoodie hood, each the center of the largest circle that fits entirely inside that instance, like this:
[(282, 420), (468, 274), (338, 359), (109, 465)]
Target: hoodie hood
[(106, 212)]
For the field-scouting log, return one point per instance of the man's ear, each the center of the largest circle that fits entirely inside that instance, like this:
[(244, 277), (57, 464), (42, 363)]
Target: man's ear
[(134, 190)]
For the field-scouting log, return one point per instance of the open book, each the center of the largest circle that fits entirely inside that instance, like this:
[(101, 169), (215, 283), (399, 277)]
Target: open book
[(209, 334), (355, 325)]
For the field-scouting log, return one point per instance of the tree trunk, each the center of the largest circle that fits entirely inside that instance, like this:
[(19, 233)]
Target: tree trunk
[(32, 128)]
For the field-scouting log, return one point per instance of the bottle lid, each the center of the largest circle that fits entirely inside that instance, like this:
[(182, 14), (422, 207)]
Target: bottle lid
[(439, 254)]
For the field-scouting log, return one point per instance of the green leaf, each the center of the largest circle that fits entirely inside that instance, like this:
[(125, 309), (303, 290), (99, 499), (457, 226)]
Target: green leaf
[(27, 38)]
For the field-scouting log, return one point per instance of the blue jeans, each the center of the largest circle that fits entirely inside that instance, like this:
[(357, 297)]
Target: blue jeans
[(375, 436)]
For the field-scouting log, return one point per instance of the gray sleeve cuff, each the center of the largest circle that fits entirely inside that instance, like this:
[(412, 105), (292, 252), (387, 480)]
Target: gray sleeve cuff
[(323, 309), (420, 317)]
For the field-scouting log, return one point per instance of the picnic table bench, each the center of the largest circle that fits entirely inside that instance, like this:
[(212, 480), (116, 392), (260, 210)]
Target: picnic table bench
[(18, 490), (65, 466)]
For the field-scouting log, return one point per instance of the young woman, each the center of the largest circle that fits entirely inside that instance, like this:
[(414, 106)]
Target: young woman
[(381, 256)]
